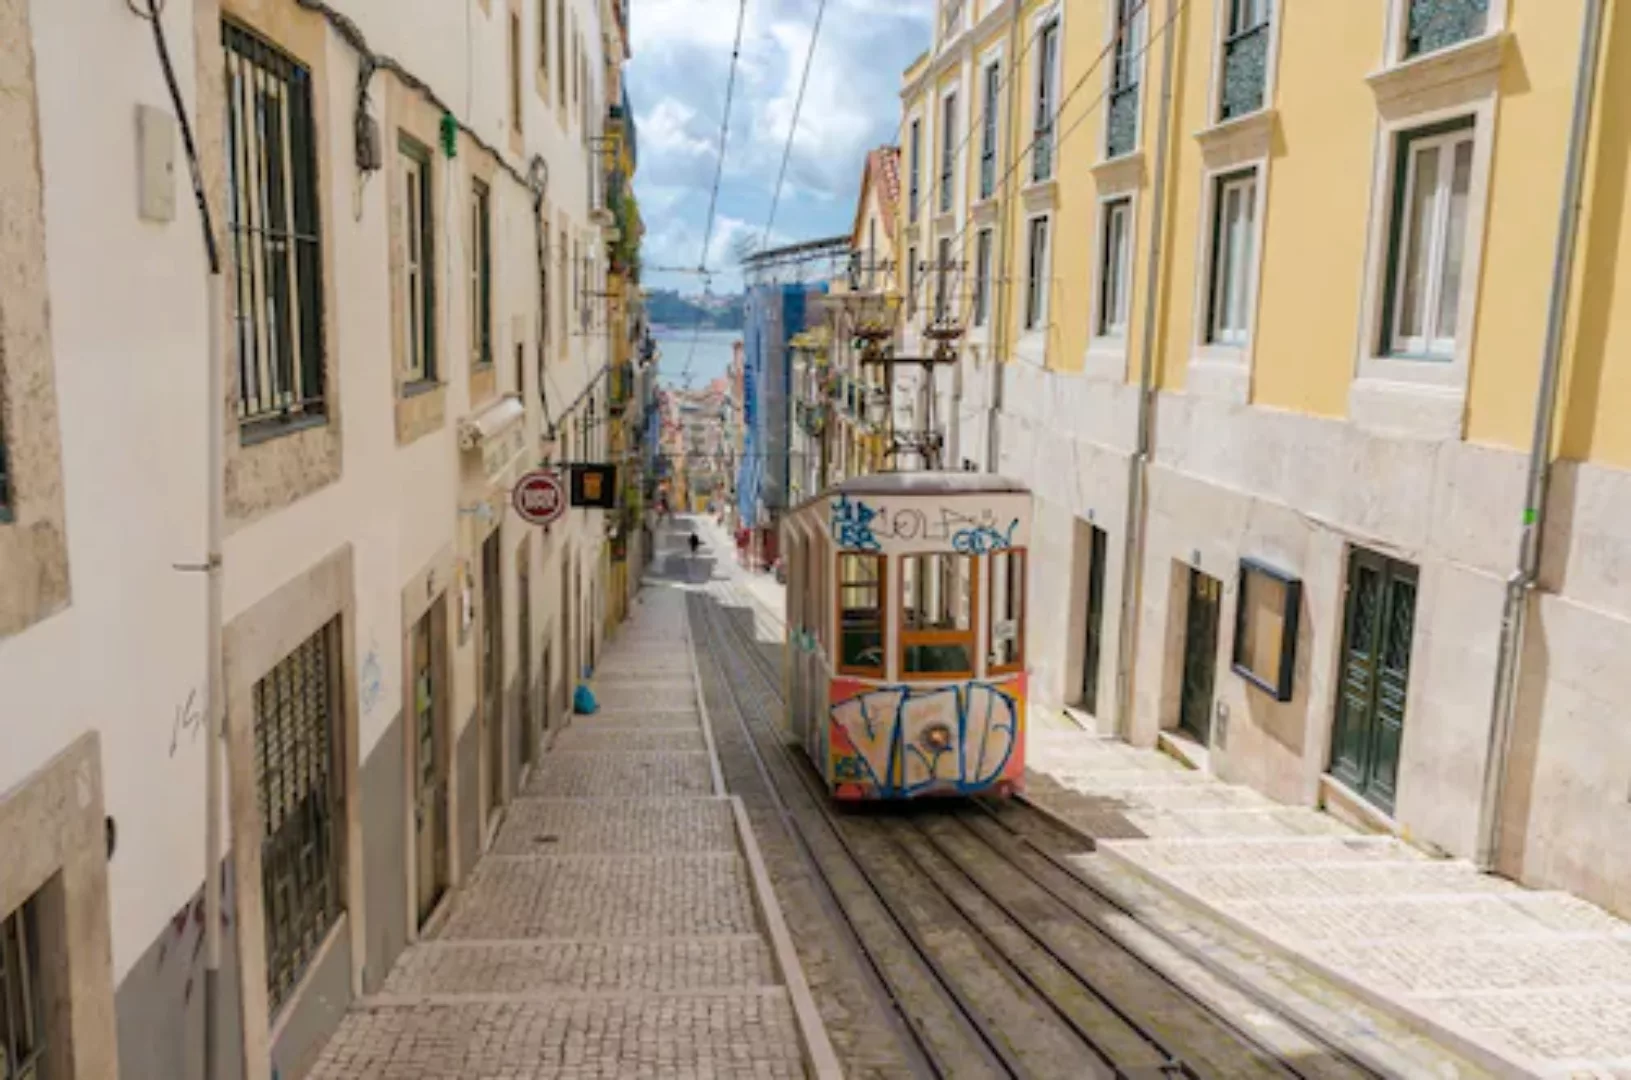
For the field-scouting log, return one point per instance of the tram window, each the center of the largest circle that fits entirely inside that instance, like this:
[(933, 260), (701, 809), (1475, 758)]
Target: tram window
[(937, 615), (1007, 611), (860, 601)]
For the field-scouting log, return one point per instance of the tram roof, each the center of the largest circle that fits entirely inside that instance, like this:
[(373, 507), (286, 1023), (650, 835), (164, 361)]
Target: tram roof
[(926, 483)]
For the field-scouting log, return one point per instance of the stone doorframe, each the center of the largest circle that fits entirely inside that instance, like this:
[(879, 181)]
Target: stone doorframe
[(53, 831), (423, 592), (254, 643)]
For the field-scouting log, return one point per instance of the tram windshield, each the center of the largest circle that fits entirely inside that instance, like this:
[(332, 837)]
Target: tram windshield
[(937, 614), (861, 625)]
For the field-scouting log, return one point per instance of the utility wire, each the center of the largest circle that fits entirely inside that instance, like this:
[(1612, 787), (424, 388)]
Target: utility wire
[(724, 135), (793, 127)]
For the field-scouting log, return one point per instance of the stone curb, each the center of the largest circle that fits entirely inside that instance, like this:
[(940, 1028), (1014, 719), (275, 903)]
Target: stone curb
[(1498, 1060), (702, 710)]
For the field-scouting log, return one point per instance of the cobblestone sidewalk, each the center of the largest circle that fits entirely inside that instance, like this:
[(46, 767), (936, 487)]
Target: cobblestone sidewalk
[(612, 930), (1527, 981)]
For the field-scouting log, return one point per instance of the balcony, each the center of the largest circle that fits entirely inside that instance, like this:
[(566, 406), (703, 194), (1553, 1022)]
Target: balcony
[(620, 388)]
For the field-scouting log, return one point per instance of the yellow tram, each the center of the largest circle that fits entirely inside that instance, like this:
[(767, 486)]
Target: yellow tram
[(905, 671)]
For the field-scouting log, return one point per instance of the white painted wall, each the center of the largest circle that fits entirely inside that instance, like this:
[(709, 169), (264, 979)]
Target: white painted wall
[(129, 339)]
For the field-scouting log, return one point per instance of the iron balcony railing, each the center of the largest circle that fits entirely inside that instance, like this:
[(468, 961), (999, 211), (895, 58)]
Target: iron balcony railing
[(1245, 71), (1438, 24)]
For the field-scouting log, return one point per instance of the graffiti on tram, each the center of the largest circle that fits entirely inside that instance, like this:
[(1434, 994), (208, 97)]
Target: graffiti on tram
[(901, 740), (969, 528)]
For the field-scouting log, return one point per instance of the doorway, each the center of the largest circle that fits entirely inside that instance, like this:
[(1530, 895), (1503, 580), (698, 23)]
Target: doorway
[(1379, 625), (523, 594), (1093, 639), (567, 672), (492, 670), (431, 871), (1200, 656)]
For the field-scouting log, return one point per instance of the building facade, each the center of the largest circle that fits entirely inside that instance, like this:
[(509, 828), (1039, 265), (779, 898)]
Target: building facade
[(414, 258), (1258, 301)]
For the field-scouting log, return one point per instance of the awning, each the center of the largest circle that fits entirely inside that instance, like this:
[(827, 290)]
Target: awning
[(483, 426)]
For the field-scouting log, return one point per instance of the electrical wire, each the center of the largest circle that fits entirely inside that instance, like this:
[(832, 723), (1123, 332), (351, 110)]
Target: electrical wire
[(212, 248), (793, 126), (724, 135)]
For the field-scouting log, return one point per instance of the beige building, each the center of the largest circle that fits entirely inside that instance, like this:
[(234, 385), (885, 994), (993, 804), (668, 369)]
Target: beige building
[(407, 201)]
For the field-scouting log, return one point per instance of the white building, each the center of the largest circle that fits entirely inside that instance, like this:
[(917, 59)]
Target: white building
[(394, 187)]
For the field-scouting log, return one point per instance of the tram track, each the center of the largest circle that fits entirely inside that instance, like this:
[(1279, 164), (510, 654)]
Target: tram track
[(1013, 945)]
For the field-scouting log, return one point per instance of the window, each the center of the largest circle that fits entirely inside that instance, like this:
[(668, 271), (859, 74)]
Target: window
[(296, 715), (988, 130), (914, 150), (1036, 274), (1234, 217), (911, 281), (1266, 628), (1431, 25), (1115, 246), (481, 275), (942, 290), (937, 615), (560, 52), (871, 256), (515, 72), (577, 61), (982, 276), (860, 614), (5, 482), (1047, 76), (419, 265), (1007, 629), (1429, 240), (22, 1012), (948, 151), (543, 40), (1125, 73), (272, 215), (1245, 58)]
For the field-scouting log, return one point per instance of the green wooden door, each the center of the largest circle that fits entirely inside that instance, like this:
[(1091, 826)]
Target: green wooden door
[(1200, 656), (1380, 626), (1093, 640)]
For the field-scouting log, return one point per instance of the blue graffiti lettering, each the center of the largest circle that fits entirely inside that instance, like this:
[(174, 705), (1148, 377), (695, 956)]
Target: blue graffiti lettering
[(852, 525), (983, 539), (986, 724)]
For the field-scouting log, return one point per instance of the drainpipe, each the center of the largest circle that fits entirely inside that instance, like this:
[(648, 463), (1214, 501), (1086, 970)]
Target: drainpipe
[(1137, 465), (1508, 664), (993, 406)]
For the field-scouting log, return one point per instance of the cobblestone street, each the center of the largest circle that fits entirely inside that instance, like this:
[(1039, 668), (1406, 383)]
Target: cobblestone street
[(614, 928)]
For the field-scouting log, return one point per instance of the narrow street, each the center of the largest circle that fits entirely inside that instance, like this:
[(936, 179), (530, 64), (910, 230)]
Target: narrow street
[(980, 947)]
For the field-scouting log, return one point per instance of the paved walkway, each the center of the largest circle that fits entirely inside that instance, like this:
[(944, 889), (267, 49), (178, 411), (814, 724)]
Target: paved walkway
[(1524, 982), (617, 927)]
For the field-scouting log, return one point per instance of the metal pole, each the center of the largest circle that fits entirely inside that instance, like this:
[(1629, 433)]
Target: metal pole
[(1133, 552), (1514, 613), (213, 704)]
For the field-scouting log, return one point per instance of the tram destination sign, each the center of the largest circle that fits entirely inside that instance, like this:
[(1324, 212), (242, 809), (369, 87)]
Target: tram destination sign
[(540, 497)]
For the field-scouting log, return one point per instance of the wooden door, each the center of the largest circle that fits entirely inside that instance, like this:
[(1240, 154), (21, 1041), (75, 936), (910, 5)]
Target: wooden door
[(430, 764), (1380, 622), (1200, 656), (492, 669), (1093, 640), (523, 588)]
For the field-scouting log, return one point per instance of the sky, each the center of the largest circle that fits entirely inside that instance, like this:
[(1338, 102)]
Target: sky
[(676, 84)]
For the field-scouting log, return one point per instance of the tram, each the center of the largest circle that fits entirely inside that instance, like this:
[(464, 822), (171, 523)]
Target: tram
[(905, 666)]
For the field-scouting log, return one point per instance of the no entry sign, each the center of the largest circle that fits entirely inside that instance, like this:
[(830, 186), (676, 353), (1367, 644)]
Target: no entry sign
[(539, 497)]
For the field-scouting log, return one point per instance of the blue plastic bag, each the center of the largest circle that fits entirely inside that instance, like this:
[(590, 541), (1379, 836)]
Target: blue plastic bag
[(583, 701)]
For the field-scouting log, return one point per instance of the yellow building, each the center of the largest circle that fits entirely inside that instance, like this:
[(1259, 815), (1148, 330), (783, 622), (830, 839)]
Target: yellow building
[(1269, 286), (625, 330)]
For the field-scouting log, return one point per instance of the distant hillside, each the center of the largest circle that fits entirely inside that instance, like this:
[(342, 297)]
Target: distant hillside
[(668, 308)]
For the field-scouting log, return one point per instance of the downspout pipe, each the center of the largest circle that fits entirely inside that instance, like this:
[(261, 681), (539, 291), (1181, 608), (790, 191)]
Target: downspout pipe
[(993, 406), (1138, 464), (1514, 613)]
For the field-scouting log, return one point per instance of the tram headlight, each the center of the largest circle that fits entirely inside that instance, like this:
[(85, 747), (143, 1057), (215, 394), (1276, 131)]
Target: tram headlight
[(937, 737)]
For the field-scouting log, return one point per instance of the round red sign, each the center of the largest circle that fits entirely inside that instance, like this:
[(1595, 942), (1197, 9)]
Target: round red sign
[(540, 497)]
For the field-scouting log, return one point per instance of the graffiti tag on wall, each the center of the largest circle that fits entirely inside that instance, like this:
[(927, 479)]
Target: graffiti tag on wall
[(189, 721), (970, 529), (371, 682)]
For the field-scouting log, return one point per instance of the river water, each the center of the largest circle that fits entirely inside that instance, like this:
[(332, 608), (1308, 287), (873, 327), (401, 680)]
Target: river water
[(708, 354)]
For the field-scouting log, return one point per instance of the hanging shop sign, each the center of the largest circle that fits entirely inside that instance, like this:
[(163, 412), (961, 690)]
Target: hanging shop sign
[(539, 497), (594, 486)]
